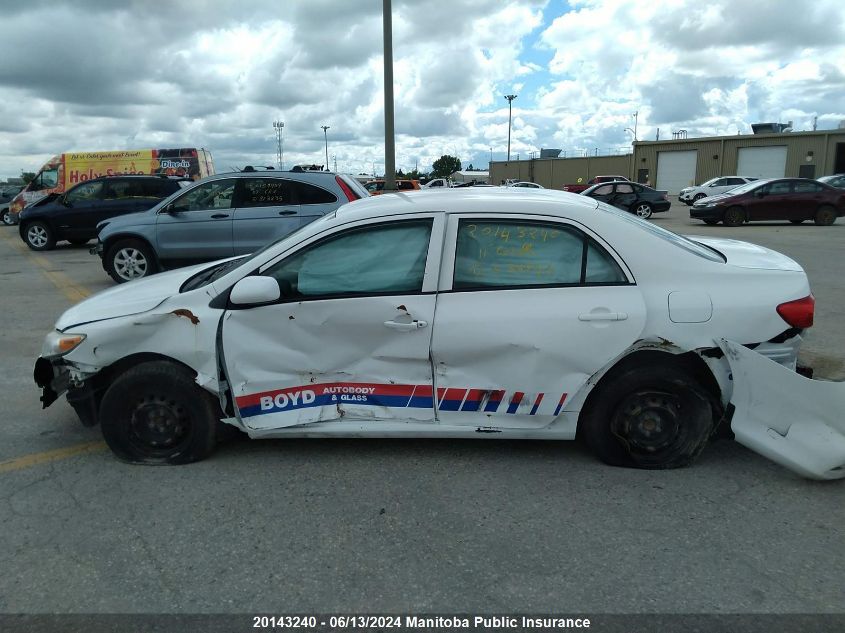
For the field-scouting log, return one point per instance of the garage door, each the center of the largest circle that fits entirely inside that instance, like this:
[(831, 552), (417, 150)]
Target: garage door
[(676, 170), (762, 162)]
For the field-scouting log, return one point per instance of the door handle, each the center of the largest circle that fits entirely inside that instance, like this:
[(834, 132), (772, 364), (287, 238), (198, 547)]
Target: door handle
[(287, 212), (603, 316), (219, 216), (406, 327)]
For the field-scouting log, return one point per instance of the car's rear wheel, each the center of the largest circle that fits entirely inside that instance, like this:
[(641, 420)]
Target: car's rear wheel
[(642, 210), (39, 236), (648, 417), (825, 216), (734, 216), (130, 259), (156, 414), (711, 222), (6, 217)]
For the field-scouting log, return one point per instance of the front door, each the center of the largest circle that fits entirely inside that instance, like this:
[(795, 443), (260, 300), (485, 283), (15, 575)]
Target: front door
[(350, 338), (198, 224), (775, 203), (530, 310), (79, 217)]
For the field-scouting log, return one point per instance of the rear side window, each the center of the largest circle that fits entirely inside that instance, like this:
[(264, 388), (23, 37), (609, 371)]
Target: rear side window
[(311, 194), (624, 188), (807, 187), (265, 192), (517, 254)]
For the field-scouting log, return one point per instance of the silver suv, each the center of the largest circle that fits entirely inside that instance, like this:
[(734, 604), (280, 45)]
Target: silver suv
[(220, 216)]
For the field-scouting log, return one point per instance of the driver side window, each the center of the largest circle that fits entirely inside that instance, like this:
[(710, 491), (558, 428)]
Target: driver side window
[(206, 197), (85, 192), (381, 259)]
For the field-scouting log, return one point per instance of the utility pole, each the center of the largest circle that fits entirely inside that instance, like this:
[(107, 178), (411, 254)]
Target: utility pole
[(510, 99), (389, 141), (635, 115), (279, 126), (326, 137)]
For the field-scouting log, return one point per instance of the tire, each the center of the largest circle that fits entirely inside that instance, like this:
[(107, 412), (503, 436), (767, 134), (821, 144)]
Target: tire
[(711, 222), (39, 236), (796, 221), (130, 259), (6, 217), (78, 241), (651, 417), (825, 216), (641, 210), (156, 414), (734, 216)]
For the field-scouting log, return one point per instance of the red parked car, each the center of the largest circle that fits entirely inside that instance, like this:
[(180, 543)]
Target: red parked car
[(793, 199)]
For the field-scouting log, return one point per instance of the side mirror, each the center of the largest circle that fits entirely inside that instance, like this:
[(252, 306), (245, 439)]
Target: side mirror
[(170, 209), (64, 201), (255, 290)]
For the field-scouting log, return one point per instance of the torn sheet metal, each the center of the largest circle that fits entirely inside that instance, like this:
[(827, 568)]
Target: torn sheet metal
[(794, 421)]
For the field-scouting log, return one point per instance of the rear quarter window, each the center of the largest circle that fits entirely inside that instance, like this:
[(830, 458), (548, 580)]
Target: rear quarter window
[(311, 194)]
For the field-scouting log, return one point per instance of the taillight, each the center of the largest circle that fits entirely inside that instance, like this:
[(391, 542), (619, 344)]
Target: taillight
[(350, 195), (798, 313)]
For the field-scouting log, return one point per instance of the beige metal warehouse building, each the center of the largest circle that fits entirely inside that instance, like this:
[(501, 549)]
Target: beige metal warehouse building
[(675, 164)]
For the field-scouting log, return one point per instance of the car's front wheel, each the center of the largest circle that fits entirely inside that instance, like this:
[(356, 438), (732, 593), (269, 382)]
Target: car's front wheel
[(156, 414), (825, 216), (642, 210), (734, 216), (130, 259), (39, 236), (648, 417)]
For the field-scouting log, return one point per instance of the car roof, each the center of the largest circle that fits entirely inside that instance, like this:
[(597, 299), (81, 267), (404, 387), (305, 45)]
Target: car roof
[(487, 200)]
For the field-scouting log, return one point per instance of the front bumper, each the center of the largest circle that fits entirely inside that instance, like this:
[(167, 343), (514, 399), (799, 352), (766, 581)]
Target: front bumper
[(794, 421), (53, 376), (706, 213)]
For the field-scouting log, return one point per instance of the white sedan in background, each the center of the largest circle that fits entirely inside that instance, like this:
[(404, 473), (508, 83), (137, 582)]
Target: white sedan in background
[(492, 313)]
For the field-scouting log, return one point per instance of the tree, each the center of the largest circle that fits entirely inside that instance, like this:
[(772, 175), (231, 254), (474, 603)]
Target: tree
[(27, 176), (445, 166)]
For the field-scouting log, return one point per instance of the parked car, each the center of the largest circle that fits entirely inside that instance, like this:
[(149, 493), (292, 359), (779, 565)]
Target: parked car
[(526, 184), (376, 187), (7, 194), (712, 187), (793, 199), (74, 215), (332, 331), (220, 216), (583, 186), (630, 196), (837, 180)]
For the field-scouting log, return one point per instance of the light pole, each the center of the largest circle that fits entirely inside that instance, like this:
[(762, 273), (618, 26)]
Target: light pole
[(326, 137), (510, 99), (635, 115), (280, 143), (389, 139)]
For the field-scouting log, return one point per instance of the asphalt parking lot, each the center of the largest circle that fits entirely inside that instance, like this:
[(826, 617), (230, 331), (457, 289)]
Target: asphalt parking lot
[(402, 526)]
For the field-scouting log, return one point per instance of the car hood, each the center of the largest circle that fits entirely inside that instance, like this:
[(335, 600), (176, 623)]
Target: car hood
[(133, 297), (714, 198), (129, 219), (747, 255)]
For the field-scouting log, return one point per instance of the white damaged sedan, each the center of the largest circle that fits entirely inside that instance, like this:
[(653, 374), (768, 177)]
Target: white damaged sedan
[(498, 313)]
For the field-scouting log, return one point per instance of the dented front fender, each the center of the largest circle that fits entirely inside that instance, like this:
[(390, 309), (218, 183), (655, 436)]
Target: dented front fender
[(794, 421)]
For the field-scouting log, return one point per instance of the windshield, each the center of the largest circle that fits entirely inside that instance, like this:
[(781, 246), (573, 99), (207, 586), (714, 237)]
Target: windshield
[(708, 183), (678, 240)]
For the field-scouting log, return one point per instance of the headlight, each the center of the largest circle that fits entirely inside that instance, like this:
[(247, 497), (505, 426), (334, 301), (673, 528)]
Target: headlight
[(58, 344)]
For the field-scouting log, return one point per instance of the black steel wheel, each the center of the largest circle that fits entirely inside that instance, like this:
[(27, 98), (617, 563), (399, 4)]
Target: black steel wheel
[(734, 216), (156, 414), (654, 417)]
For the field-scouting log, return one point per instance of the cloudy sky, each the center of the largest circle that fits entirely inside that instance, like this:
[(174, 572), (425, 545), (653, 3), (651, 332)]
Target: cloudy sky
[(105, 75)]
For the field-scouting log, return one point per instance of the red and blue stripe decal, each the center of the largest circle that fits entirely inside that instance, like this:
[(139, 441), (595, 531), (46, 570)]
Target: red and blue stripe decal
[(385, 395)]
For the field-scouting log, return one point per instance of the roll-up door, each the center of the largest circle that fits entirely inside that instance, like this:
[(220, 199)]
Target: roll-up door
[(676, 170), (762, 162)]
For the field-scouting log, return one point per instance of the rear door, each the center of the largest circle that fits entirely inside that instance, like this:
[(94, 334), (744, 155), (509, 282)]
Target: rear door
[(267, 209), (314, 201), (809, 196), (530, 307), (624, 195), (350, 339), (198, 224)]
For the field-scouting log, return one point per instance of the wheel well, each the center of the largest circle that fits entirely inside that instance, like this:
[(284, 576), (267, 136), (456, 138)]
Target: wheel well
[(690, 362), (108, 375), (118, 238)]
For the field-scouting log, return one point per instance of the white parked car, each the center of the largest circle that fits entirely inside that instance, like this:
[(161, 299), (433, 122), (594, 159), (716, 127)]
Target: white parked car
[(712, 187), (554, 314)]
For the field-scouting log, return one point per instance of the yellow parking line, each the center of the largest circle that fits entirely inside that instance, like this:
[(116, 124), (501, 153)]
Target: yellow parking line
[(72, 291), (28, 461)]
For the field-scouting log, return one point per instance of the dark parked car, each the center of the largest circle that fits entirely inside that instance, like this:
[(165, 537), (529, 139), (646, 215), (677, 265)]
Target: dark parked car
[(837, 180), (793, 199), (6, 196), (74, 215), (630, 196)]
